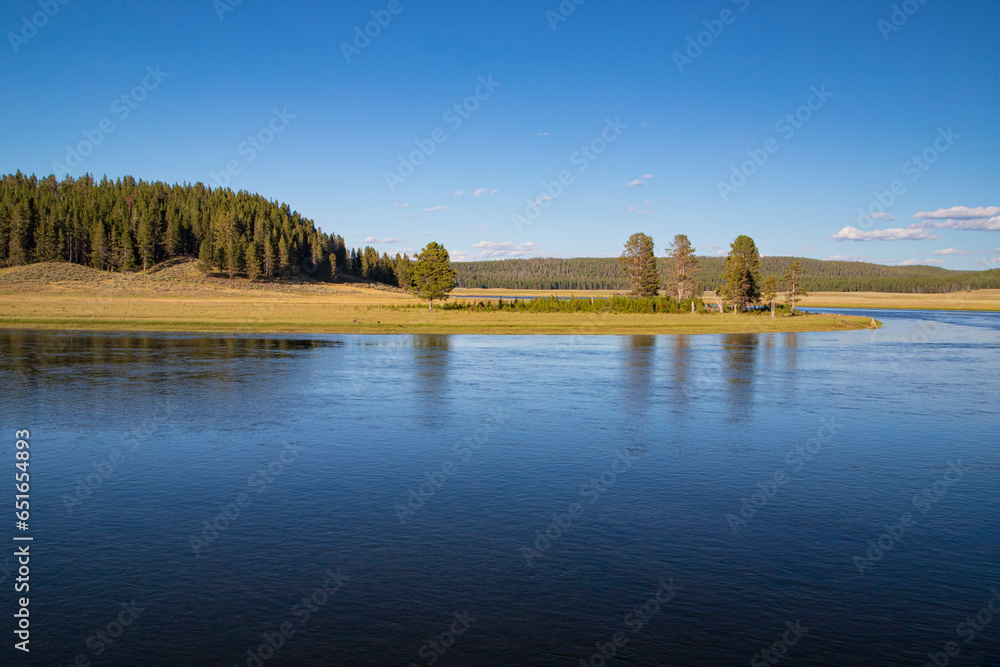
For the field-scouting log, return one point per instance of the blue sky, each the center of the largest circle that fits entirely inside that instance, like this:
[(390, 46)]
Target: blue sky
[(790, 122)]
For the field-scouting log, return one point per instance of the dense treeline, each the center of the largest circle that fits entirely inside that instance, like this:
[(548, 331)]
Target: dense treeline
[(129, 225), (820, 276)]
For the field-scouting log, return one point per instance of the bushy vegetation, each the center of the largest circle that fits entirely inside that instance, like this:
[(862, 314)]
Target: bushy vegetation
[(552, 304)]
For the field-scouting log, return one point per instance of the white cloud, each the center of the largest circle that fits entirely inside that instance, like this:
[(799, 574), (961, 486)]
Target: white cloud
[(883, 216), (893, 234), (432, 209), (485, 191), (541, 199), (809, 248), (633, 209), (460, 193), (410, 215), (480, 226), (401, 205), (646, 125), (847, 258), (709, 246), (917, 262), (952, 251), (372, 239), (980, 224), (959, 213), (542, 134), (491, 249), (649, 176), (637, 183)]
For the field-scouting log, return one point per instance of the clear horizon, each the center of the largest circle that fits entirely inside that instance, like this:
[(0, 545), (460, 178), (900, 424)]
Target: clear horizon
[(862, 131)]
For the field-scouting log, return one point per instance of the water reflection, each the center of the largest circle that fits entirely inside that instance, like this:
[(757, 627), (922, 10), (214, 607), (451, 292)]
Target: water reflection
[(638, 369), (431, 356), (740, 360)]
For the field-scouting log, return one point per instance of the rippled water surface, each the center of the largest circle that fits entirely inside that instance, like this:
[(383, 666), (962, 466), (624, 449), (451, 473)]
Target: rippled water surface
[(668, 500)]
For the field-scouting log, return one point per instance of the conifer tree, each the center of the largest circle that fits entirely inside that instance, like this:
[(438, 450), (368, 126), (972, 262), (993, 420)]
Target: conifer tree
[(638, 263)]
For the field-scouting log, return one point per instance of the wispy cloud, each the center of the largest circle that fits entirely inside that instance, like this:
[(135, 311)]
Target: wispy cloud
[(847, 258), (460, 193), (491, 249), (648, 176), (541, 199), (372, 239), (977, 225), (709, 246), (917, 262), (637, 183), (881, 215), (401, 205), (892, 234), (633, 209), (953, 251), (542, 134), (809, 248), (434, 209), (959, 213), (486, 191)]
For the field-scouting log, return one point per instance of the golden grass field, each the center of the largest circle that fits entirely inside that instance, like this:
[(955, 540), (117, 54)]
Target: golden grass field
[(59, 296)]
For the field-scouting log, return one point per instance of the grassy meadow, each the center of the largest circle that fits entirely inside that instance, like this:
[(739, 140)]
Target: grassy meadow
[(65, 297)]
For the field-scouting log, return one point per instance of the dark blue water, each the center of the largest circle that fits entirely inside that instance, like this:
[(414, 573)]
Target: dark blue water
[(831, 498)]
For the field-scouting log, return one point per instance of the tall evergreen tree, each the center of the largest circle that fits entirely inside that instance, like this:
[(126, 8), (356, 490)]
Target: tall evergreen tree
[(253, 261), (638, 263), (769, 292), (147, 242), (793, 285), (684, 268), (742, 274), (433, 277)]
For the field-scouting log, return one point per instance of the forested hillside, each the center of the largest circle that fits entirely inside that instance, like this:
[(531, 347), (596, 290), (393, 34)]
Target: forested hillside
[(819, 276), (128, 225)]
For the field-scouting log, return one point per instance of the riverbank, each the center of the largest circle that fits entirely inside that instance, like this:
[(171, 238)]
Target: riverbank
[(66, 297)]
